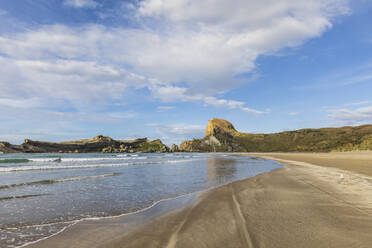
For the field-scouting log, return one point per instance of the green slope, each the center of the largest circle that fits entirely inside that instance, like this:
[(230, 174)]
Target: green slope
[(226, 138)]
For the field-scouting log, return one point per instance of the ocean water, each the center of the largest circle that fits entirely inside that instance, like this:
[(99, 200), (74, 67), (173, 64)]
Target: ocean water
[(42, 194)]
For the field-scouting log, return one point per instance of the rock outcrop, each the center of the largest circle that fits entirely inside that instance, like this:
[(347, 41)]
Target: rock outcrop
[(219, 127), (6, 147), (218, 137), (221, 136), (99, 143), (175, 148)]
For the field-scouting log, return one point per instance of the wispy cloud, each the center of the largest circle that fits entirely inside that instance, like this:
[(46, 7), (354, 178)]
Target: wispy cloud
[(349, 104), (175, 133), (342, 77), (165, 108), (357, 103), (232, 104), (351, 116), (173, 93), (81, 3), (293, 113)]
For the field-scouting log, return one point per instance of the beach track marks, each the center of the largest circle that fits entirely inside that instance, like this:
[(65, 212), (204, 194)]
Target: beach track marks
[(240, 220)]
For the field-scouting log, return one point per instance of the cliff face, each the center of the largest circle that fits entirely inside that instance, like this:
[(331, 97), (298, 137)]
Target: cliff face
[(219, 127), (6, 147), (221, 136), (97, 144)]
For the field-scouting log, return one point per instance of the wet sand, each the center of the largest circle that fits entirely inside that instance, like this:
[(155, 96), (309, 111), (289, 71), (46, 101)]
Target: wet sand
[(299, 205)]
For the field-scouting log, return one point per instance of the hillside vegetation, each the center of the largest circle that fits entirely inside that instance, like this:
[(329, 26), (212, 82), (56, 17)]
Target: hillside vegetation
[(221, 136)]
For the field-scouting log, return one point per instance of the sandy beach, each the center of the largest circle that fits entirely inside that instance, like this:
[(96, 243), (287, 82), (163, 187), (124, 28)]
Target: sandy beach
[(315, 200), (359, 162)]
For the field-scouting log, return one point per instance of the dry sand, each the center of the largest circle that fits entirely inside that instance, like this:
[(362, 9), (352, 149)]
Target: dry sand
[(299, 205), (360, 162)]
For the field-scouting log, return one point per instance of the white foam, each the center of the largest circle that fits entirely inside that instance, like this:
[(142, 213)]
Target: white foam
[(60, 231), (61, 166), (43, 159), (59, 159), (100, 159), (85, 177)]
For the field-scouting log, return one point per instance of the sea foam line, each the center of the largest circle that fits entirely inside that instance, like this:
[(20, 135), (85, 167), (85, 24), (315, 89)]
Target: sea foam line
[(72, 223), (61, 159), (99, 159), (59, 166), (52, 181), (20, 197)]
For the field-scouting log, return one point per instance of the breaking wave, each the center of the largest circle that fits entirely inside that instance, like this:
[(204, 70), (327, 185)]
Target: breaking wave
[(19, 197), (59, 159), (52, 181), (61, 166)]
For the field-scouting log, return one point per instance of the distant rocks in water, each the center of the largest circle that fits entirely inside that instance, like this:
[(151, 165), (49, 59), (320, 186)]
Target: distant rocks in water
[(99, 143), (221, 136)]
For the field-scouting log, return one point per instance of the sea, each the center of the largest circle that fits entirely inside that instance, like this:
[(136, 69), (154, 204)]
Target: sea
[(43, 194)]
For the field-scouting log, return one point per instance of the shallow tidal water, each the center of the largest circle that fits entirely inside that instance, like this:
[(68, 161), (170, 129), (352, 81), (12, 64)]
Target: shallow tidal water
[(42, 194)]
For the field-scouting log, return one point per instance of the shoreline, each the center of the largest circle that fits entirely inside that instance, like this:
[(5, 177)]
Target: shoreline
[(120, 218), (237, 214), (192, 196), (176, 202)]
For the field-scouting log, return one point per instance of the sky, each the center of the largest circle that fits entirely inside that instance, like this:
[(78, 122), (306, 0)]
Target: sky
[(72, 69)]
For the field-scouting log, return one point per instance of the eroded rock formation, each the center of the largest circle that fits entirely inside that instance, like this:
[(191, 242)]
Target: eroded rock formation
[(99, 143), (221, 136)]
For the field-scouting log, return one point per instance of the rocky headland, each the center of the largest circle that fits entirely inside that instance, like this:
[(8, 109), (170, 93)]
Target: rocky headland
[(221, 136), (97, 144)]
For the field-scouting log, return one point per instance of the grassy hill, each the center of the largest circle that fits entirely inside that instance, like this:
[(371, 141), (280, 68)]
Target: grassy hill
[(221, 136)]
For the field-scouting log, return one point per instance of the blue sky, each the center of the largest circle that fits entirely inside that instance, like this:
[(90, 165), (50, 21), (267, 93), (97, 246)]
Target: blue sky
[(73, 69)]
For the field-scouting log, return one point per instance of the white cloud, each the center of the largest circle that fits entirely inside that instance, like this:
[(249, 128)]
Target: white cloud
[(352, 117), (165, 108), (183, 51), (19, 121), (208, 42), (20, 103), (72, 80), (175, 133), (172, 93), (357, 79), (357, 103), (231, 104), (81, 3), (293, 113)]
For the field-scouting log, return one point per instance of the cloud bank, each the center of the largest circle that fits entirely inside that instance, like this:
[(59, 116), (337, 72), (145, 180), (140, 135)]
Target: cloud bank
[(179, 50)]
